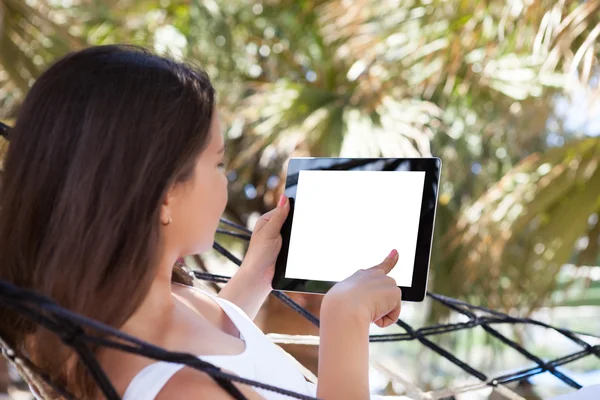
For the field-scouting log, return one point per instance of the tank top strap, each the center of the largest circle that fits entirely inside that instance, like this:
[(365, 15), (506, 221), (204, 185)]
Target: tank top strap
[(241, 320), (150, 380)]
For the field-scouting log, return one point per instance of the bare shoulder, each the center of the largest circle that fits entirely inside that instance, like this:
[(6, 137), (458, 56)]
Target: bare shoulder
[(189, 383)]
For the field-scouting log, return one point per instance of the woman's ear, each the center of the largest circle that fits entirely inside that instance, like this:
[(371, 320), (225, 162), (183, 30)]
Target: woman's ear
[(166, 208)]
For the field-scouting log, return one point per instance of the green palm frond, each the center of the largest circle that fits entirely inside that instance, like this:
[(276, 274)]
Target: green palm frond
[(570, 43), (30, 39), (470, 81), (511, 243)]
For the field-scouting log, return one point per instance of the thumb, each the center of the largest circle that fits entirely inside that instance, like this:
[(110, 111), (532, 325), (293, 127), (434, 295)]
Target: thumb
[(272, 221), (388, 264), (273, 226)]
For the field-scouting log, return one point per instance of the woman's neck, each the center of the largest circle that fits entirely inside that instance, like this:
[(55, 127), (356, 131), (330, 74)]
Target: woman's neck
[(158, 303)]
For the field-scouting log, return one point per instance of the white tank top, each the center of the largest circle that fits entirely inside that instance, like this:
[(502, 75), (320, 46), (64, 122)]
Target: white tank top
[(261, 361)]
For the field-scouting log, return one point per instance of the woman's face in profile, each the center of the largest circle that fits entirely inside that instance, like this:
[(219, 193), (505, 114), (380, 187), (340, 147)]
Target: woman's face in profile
[(200, 202)]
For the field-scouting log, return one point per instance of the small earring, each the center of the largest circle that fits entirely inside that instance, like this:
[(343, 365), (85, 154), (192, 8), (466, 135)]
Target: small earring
[(170, 220)]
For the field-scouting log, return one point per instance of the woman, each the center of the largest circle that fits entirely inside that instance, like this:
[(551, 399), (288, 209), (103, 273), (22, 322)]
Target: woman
[(114, 172)]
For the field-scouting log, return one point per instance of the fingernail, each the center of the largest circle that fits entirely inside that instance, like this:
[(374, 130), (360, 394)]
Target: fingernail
[(393, 253), (282, 200)]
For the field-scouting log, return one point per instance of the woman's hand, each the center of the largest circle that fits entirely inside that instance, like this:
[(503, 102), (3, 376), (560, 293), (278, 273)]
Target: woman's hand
[(252, 283), (346, 313), (265, 243), (369, 294)]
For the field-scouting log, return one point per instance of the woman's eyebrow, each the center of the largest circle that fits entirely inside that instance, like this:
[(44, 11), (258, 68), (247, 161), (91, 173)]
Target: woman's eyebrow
[(222, 150)]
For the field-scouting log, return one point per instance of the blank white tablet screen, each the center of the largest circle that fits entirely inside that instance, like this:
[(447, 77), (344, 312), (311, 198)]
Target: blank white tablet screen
[(348, 220)]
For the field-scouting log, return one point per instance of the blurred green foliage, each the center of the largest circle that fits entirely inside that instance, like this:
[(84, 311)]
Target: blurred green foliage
[(486, 86)]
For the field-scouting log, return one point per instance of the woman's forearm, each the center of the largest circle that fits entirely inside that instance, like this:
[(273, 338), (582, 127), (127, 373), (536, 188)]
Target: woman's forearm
[(343, 355), (247, 291)]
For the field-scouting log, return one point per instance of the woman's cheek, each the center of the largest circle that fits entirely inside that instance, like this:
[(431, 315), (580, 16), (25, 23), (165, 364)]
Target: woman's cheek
[(225, 191)]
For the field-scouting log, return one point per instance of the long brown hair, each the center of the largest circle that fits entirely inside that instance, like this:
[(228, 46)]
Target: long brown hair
[(98, 141)]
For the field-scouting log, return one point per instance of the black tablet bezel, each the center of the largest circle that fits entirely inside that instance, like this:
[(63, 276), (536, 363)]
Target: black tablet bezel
[(416, 292)]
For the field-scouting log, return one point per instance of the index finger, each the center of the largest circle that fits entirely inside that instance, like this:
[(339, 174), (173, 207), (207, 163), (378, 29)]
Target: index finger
[(388, 264)]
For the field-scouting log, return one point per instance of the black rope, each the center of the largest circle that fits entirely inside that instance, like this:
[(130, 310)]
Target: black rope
[(4, 130), (280, 295), (423, 332), (450, 357), (236, 226), (297, 307), (58, 317), (210, 277), (62, 327), (234, 234), (229, 255), (69, 327), (13, 356), (567, 333), (518, 348), (474, 320), (527, 373)]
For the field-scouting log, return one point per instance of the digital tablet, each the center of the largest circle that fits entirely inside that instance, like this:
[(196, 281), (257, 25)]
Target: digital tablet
[(347, 214)]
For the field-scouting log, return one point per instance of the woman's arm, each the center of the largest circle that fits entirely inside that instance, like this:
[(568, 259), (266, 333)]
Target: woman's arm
[(251, 285), (343, 355), (346, 314), (247, 290)]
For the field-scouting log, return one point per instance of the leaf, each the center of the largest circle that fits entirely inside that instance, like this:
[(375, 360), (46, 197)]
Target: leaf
[(530, 220)]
